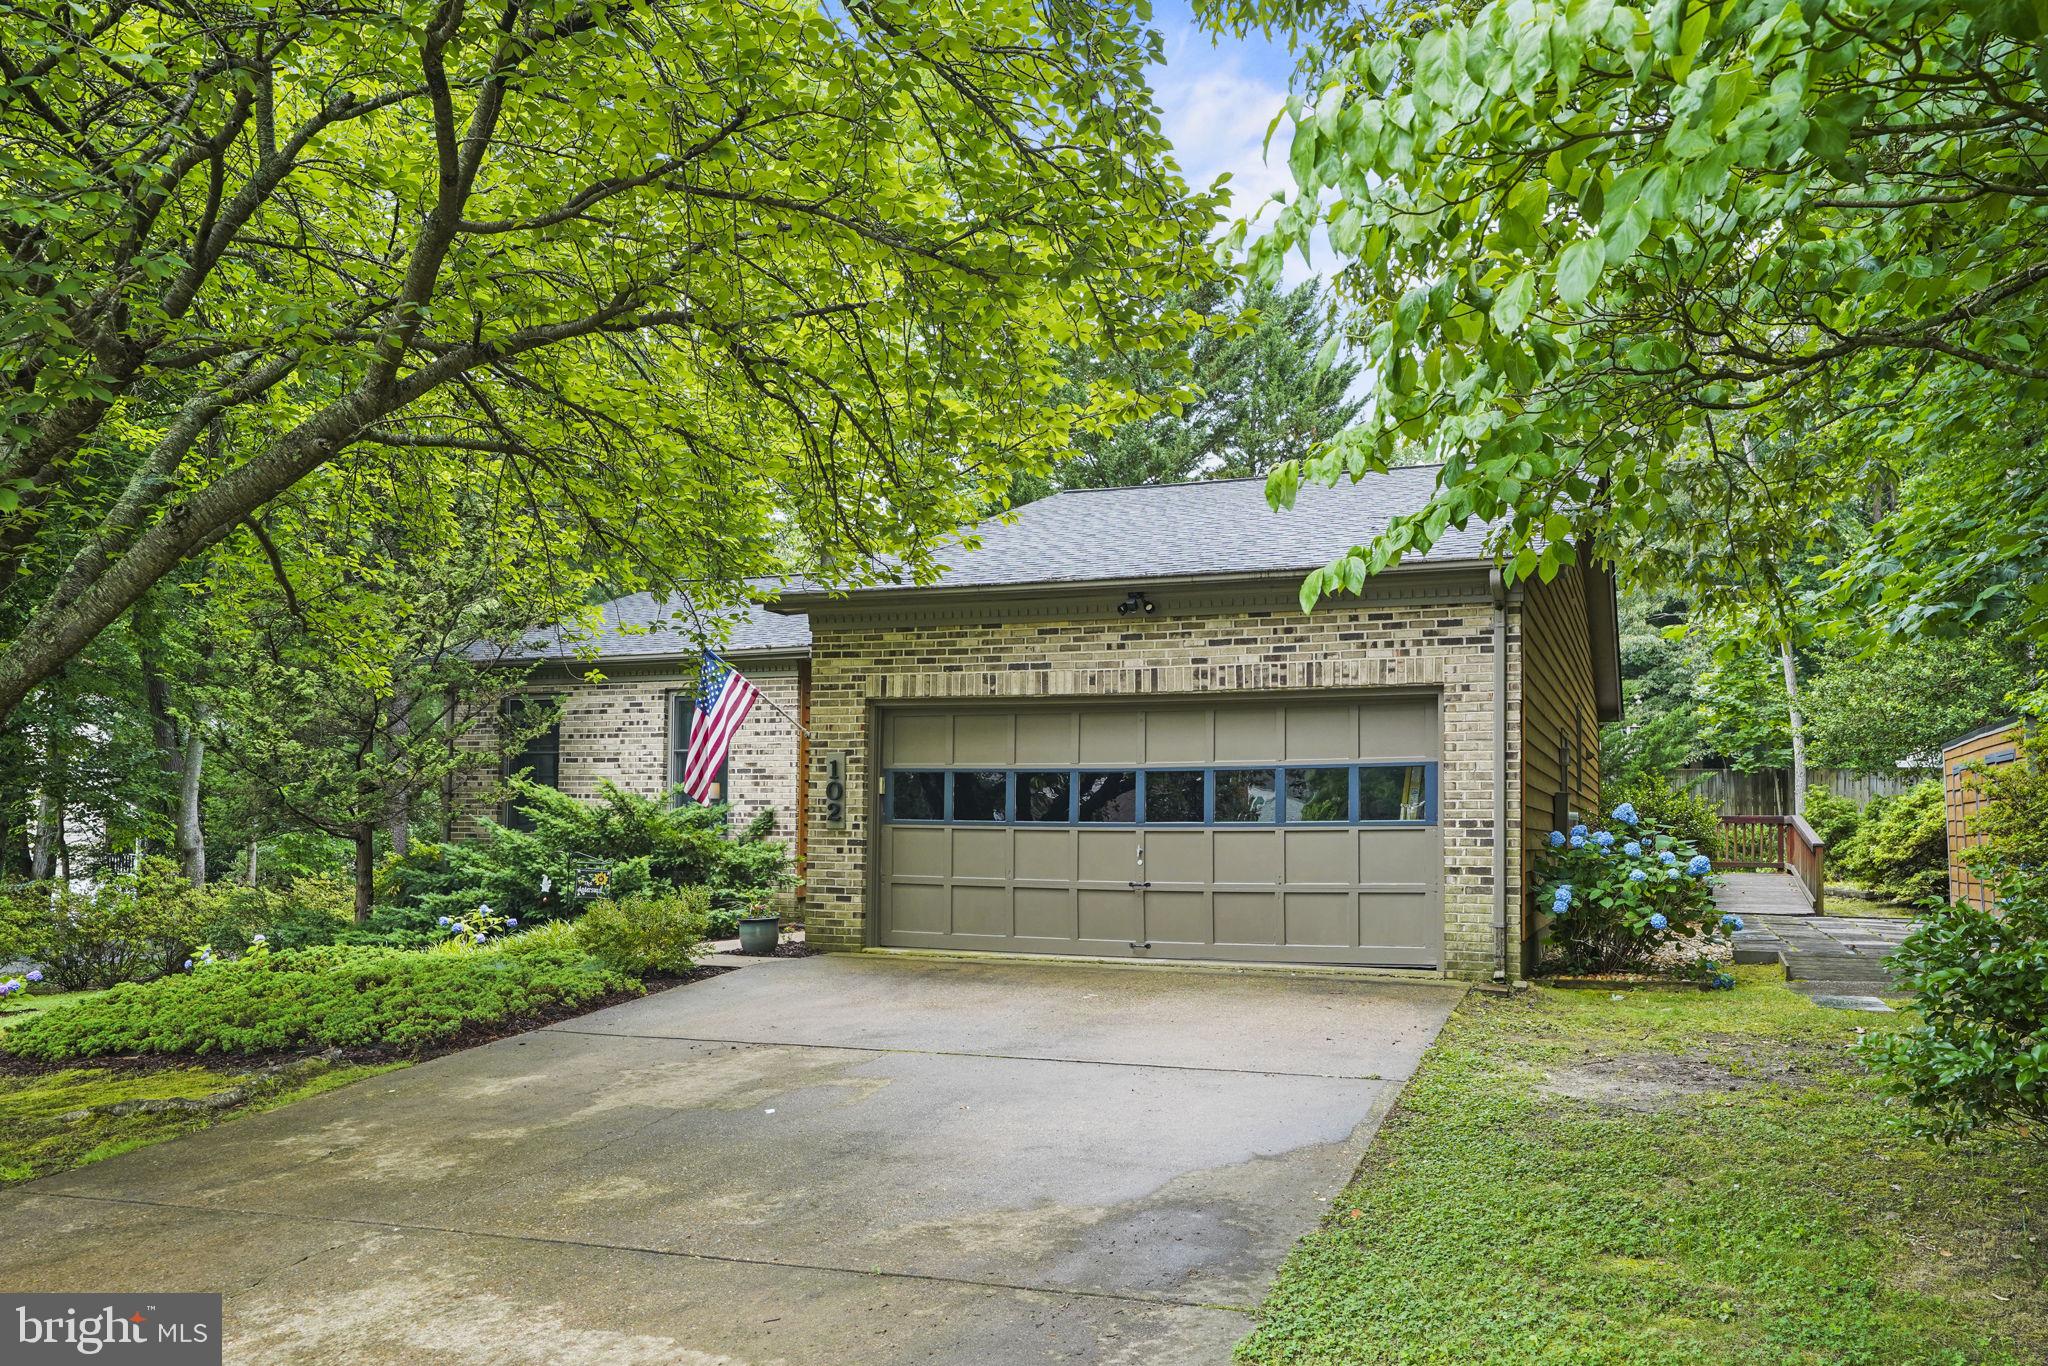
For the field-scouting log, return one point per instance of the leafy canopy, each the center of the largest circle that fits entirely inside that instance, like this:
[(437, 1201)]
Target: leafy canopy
[(1572, 232), (654, 282)]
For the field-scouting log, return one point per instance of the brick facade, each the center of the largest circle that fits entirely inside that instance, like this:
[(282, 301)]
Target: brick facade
[(618, 730), (1444, 643)]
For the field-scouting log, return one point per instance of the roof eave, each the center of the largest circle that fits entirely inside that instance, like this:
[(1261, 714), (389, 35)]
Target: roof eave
[(795, 604)]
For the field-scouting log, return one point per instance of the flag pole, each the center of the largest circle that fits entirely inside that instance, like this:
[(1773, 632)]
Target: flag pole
[(764, 697)]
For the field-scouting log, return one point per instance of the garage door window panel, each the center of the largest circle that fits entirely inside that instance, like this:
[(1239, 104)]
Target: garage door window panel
[(1246, 796), (917, 795), (1318, 796), (1397, 792), (981, 795), (1176, 797), (1045, 795), (1109, 796)]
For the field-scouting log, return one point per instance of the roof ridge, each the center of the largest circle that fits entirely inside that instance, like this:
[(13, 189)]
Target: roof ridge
[(1201, 483)]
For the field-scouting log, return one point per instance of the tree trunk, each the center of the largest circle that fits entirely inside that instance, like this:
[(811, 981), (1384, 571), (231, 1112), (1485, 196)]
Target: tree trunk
[(1798, 721), (191, 835), (366, 871), (399, 827), (46, 849), (253, 847)]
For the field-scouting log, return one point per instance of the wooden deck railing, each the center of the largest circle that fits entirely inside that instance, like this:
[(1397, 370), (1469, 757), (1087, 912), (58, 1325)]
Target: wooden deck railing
[(1776, 844)]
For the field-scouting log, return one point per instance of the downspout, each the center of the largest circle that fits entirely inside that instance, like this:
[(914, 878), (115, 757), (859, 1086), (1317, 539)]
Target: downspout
[(1496, 584)]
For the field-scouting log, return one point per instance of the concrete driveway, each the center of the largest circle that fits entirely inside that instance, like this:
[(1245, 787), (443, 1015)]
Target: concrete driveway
[(836, 1159)]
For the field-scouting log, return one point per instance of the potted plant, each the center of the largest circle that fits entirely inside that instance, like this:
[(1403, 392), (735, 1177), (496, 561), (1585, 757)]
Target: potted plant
[(760, 932)]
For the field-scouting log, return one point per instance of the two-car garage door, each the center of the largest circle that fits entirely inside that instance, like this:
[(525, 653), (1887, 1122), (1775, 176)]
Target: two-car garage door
[(1285, 831)]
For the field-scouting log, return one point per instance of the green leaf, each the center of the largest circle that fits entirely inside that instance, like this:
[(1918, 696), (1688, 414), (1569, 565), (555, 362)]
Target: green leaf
[(1578, 271)]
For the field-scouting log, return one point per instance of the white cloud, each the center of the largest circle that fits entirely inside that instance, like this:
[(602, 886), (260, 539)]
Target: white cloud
[(1215, 108)]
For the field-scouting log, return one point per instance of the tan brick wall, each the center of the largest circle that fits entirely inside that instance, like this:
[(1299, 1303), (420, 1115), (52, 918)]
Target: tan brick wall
[(1446, 646), (618, 730)]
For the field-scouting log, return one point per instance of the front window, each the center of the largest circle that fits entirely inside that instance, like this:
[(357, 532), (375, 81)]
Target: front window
[(539, 757), (682, 711)]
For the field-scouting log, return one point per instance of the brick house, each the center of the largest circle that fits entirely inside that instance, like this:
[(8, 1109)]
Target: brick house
[(1109, 730)]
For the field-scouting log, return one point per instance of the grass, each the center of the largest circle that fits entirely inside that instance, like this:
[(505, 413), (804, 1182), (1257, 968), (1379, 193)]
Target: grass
[(1665, 1177), (19, 1008), (55, 1121)]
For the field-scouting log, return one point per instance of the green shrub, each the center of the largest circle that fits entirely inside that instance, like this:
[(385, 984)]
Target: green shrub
[(643, 934), (1834, 819), (1900, 848), (131, 928), (1663, 807), (337, 996), (643, 843), (1615, 896), (1979, 1056)]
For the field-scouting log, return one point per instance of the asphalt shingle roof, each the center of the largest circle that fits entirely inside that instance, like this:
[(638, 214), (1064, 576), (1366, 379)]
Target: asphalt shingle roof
[(1151, 531), (646, 626), (1221, 526)]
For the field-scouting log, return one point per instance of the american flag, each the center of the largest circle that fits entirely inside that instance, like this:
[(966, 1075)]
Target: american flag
[(724, 697)]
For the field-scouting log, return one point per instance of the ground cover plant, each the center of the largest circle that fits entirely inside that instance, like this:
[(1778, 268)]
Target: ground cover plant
[(337, 996), (1666, 1177)]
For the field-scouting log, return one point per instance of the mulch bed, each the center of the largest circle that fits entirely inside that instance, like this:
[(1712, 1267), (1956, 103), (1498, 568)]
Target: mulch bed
[(470, 1037)]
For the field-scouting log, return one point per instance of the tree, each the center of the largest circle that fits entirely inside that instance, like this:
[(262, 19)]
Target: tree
[(1901, 703), (342, 732), (1257, 384), (1573, 232), (601, 261)]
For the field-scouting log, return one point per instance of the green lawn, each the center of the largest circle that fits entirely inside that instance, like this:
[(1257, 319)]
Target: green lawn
[(1665, 1177), (55, 1121)]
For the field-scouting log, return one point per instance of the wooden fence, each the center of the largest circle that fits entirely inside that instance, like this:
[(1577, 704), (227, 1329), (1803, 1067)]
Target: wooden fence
[(1769, 792)]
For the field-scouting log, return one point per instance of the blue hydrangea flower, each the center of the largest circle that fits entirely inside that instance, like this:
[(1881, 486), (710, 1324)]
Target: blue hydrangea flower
[(1731, 922), (1667, 858), (1625, 813), (1578, 841), (188, 965), (444, 922), (256, 939), (35, 974), (1637, 875), (511, 922), (1658, 922), (1699, 865), (1672, 875), (1723, 982), (1557, 839), (1633, 848), (1578, 830), (1605, 839)]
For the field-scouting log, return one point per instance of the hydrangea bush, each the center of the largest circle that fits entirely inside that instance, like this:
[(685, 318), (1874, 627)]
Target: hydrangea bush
[(1615, 896)]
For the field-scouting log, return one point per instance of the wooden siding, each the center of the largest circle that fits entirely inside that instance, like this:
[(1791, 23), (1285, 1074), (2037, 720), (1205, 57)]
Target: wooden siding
[(1963, 794), (1559, 729)]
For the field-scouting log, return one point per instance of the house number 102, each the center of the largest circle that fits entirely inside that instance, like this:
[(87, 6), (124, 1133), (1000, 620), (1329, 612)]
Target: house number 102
[(835, 789)]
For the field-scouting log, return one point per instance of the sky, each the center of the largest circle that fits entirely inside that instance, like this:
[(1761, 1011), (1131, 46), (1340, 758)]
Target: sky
[(1217, 100)]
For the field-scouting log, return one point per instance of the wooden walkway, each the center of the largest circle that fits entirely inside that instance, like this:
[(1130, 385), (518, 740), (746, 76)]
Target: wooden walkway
[(1754, 894)]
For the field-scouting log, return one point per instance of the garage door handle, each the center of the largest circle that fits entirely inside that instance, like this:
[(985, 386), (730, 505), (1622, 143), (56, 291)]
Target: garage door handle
[(1141, 884)]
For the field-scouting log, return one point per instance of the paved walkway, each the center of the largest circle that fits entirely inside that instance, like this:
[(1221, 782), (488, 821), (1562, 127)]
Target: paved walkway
[(845, 1158), (1837, 960)]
